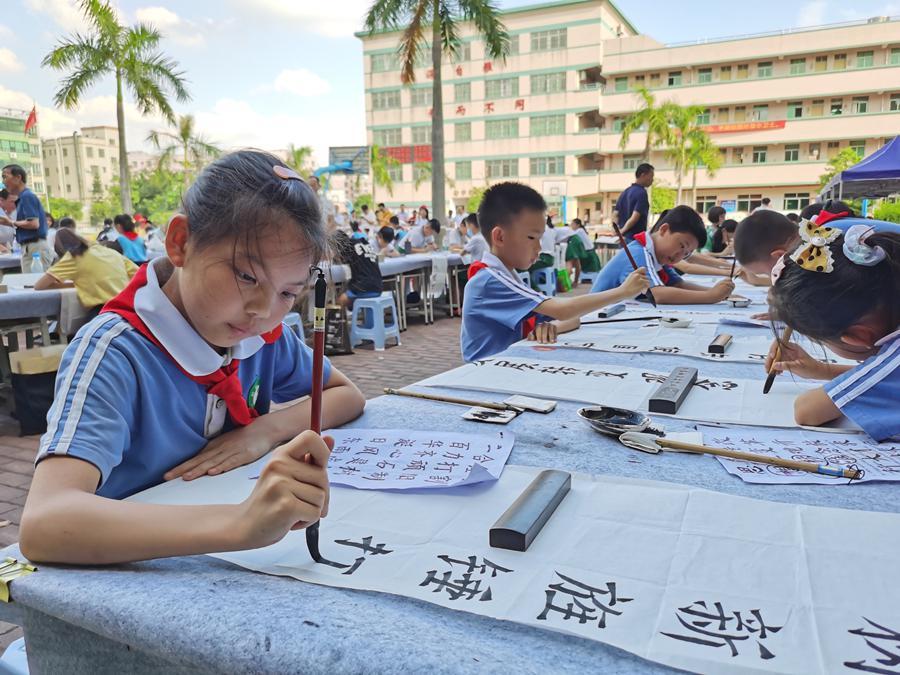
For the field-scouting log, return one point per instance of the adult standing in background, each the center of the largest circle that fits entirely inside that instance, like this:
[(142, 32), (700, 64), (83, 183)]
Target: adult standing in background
[(403, 215), (633, 205), (325, 205), (8, 210), (30, 222), (764, 206)]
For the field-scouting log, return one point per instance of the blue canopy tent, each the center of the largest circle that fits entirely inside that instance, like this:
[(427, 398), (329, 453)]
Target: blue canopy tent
[(878, 175)]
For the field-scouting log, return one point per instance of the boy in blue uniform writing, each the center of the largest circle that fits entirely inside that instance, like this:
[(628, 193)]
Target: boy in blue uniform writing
[(498, 309), (674, 238)]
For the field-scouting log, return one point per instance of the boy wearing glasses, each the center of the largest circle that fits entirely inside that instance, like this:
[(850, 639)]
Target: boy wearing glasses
[(676, 235)]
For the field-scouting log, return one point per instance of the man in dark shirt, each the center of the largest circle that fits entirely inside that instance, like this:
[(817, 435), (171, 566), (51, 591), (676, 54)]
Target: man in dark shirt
[(30, 222), (633, 205), (365, 274)]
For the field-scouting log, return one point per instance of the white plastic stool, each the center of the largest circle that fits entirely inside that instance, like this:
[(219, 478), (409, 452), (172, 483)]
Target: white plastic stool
[(526, 278), (293, 321), (544, 280), (14, 660), (377, 331), (589, 277)]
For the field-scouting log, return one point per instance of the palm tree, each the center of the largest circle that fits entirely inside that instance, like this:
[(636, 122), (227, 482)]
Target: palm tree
[(684, 128), (381, 170), (702, 152), (652, 117), (131, 55), (195, 150), (415, 18), (298, 159)]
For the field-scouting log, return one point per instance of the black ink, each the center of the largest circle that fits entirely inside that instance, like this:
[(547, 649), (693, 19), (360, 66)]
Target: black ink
[(717, 629), (887, 655), (469, 584), (584, 601)]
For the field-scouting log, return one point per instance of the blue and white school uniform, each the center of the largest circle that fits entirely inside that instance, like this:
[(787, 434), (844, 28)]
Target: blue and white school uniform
[(497, 309), (869, 393), (126, 407), (617, 270)]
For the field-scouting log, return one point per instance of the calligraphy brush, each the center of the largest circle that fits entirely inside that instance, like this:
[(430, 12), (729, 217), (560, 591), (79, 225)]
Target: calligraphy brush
[(632, 318), (315, 415), (733, 263), (453, 399), (770, 380), (634, 266)]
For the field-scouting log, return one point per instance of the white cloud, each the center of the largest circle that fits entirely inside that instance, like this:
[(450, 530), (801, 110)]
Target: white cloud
[(64, 12), (300, 82), (171, 25), (9, 62), (5, 32), (317, 17), (812, 13)]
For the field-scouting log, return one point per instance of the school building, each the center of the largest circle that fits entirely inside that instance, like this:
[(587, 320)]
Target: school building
[(17, 147), (82, 166), (778, 105)]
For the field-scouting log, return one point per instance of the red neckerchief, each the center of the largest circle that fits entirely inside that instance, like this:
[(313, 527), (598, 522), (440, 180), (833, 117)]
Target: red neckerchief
[(529, 323), (131, 236), (223, 383), (641, 238), (827, 216)]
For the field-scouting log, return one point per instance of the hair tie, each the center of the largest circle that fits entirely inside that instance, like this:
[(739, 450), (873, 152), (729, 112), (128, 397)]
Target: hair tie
[(813, 254), (858, 251), (286, 173), (778, 268)]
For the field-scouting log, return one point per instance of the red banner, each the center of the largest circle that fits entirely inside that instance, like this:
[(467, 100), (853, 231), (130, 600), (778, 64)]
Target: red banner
[(402, 153), (743, 126), (422, 153)]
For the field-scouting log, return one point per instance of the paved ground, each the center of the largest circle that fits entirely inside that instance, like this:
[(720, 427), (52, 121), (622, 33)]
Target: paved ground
[(425, 351)]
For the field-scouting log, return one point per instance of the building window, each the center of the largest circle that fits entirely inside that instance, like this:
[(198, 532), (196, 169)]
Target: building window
[(674, 78), (504, 88), (865, 59), (65, 152), (740, 113), (420, 96), (548, 166), (621, 84), (382, 63), (895, 103), (705, 203), (395, 172), (462, 131), (386, 100), (548, 40), (759, 154), (630, 162), (837, 106), (462, 93), (821, 64), (549, 83), (89, 152), (501, 168), (859, 147), (860, 104), (548, 125), (463, 170), (101, 153), (725, 73), (423, 56), (743, 71), (895, 56), (833, 148), (815, 151), (737, 155), (748, 202), (66, 170), (639, 82), (796, 201), (388, 137), (760, 113), (69, 188), (798, 66), (764, 69), (495, 129), (464, 54), (654, 80), (618, 123), (840, 61), (794, 110), (704, 75), (46, 172), (513, 45), (704, 117), (792, 153), (421, 135), (722, 115), (817, 109)]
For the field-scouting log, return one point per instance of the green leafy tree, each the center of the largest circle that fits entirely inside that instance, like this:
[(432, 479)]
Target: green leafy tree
[(889, 211), (298, 159), (662, 197), (686, 132), (107, 207), (195, 150), (131, 56), (157, 194), (96, 188), (363, 199), (60, 208), (475, 198), (841, 161), (702, 152), (437, 21), (653, 119), (381, 165)]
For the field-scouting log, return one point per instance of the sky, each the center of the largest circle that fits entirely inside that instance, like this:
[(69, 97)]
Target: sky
[(266, 73)]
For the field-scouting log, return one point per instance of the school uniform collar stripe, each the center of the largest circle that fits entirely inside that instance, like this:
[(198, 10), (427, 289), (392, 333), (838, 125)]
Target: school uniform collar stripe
[(177, 336), (864, 370), (525, 292), (885, 367), (76, 405), (502, 272), (653, 264)]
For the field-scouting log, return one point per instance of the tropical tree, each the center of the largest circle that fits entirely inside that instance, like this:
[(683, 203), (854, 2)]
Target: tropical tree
[(684, 130), (474, 200), (702, 152), (61, 208), (298, 159), (654, 119), (195, 150), (437, 21), (840, 162), (131, 55), (381, 165)]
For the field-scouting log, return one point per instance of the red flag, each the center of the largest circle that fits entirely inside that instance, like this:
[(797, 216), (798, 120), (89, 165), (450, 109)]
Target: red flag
[(32, 119)]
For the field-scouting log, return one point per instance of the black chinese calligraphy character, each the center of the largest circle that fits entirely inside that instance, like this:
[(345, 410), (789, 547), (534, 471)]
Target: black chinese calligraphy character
[(416, 465), (885, 642), (459, 445), (522, 365), (719, 628), (602, 373), (365, 545), (632, 347), (433, 444), (368, 450), (376, 475), (351, 441), (650, 378), (468, 585), (358, 460), (452, 455), (445, 466), (377, 440), (585, 603), (725, 385), (666, 350), (383, 464), (404, 443), (558, 370), (340, 450)]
